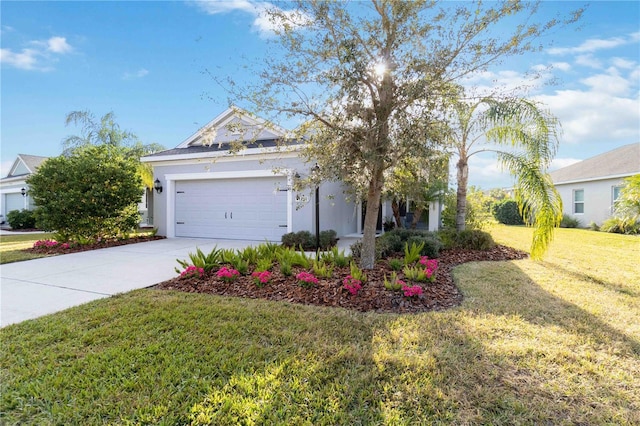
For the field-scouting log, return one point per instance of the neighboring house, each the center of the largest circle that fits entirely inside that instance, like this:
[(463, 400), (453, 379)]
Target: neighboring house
[(210, 192), (590, 187), (14, 191)]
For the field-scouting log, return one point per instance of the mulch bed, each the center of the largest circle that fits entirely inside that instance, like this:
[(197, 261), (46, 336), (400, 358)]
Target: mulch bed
[(75, 248), (438, 295)]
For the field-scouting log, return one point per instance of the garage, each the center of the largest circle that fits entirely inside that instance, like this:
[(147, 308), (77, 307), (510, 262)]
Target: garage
[(238, 208), (14, 201)]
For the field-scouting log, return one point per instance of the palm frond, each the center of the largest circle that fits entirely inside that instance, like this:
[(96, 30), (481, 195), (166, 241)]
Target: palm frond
[(538, 200)]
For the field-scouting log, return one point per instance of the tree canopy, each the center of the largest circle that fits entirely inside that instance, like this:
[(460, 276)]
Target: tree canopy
[(369, 79)]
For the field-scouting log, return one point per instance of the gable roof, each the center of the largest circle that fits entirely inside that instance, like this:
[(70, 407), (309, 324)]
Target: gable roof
[(233, 125), (620, 162), (25, 165)]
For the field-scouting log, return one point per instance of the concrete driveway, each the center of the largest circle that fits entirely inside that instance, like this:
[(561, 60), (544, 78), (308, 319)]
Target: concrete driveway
[(43, 286)]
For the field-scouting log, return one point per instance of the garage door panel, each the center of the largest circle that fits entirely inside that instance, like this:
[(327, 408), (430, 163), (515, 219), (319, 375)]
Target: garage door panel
[(231, 208)]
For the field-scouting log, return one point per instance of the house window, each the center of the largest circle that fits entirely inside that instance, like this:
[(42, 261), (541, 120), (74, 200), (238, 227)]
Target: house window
[(615, 194), (578, 201)]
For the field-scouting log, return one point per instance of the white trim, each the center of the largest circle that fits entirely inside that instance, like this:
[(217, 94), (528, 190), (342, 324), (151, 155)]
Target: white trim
[(595, 178), (171, 180), (224, 156)]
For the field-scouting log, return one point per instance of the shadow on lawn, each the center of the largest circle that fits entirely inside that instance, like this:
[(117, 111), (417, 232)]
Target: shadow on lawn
[(490, 360)]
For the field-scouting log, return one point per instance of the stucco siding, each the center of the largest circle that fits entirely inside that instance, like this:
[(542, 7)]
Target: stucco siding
[(598, 198)]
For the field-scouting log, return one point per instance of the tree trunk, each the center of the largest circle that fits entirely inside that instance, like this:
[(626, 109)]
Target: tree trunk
[(368, 255), (461, 195), (417, 214), (395, 207)]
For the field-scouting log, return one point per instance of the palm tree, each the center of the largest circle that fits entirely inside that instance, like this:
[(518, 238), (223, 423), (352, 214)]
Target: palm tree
[(524, 138)]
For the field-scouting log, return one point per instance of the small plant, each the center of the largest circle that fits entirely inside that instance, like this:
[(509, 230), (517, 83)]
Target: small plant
[(227, 274), (250, 255), (396, 264), (352, 285), (415, 273), (357, 273), (264, 264), (338, 258), (205, 261), (569, 222), (594, 226), (306, 279), (394, 284), (192, 271), (268, 250), (49, 244), (412, 253), (431, 265), (260, 278), (322, 269), (412, 291), (286, 268)]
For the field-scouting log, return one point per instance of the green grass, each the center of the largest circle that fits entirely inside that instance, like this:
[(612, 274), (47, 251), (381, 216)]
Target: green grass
[(532, 343), (11, 247)]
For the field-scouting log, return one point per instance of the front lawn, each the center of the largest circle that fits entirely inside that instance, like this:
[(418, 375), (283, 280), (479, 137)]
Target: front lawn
[(12, 247), (532, 343)]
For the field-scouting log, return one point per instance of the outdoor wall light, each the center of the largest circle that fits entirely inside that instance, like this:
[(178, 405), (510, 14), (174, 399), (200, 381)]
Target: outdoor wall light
[(157, 186), (23, 191)]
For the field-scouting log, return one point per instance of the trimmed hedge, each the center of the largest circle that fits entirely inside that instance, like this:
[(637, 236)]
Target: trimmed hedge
[(507, 212), (21, 219), (307, 240), (393, 243), (470, 239)]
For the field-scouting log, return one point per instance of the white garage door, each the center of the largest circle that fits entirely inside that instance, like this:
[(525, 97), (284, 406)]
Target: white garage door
[(239, 209), (13, 202)]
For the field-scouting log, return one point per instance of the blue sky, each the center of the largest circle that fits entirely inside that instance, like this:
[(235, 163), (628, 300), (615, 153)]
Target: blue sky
[(149, 63)]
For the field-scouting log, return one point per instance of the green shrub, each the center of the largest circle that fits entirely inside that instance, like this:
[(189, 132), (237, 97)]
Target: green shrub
[(307, 240), (93, 193), (302, 239), (432, 244), (569, 222), (594, 226), (618, 225), (393, 242), (21, 219), (469, 239), (507, 212)]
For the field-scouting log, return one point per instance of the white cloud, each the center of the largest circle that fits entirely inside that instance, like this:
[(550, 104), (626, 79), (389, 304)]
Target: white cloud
[(138, 74), (38, 57), (262, 23), (588, 61), (595, 44), (25, 60), (58, 45), (559, 163)]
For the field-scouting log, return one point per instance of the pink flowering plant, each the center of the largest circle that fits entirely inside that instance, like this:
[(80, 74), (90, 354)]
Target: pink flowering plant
[(306, 279), (260, 278), (192, 271), (227, 274), (412, 291), (352, 285), (45, 244)]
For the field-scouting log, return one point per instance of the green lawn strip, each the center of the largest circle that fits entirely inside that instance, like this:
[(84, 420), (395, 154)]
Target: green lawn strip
[(532, 343), (12, 246)]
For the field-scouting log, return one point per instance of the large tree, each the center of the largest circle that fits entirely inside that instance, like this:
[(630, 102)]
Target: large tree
[(91, 193), (524, 138), (368, 78)]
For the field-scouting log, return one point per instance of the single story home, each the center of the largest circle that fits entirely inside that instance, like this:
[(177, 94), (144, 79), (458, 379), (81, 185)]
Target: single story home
[(14, 191), (590, 187), (206, 190)]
